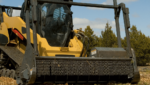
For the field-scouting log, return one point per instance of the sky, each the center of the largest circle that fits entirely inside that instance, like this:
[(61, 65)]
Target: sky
[(98, 17)]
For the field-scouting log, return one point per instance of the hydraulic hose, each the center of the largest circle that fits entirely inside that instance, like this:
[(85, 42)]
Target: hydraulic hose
[(82, 35)]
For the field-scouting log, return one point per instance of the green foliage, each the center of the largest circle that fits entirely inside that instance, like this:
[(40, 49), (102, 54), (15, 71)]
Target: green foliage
[(109, 39), (141, 44)]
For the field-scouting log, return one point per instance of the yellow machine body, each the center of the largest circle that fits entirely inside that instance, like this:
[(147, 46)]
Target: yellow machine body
[(46, 60), (74, 48)]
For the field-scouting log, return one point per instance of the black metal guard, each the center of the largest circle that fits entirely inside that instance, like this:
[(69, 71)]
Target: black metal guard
[(34, 24), (116, 8), (17, 8), (77, 4), (117, 13), (127, 26)]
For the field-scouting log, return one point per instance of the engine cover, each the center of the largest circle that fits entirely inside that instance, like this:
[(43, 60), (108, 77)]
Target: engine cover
[(109, 53)]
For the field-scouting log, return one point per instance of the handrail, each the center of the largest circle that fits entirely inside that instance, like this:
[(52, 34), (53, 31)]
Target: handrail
[(78, 4)]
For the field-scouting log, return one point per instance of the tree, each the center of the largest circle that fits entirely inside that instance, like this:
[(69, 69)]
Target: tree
[(108, 38), (141, 44), (94, 40)]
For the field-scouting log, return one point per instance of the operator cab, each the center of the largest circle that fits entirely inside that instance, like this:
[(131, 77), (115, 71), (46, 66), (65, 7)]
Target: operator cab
[(54, 23)]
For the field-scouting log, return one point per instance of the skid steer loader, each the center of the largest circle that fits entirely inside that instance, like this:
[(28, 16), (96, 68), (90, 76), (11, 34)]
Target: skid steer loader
[(41, 46)]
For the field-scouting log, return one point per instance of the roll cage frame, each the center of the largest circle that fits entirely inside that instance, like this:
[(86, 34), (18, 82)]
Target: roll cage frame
[(117, 9)]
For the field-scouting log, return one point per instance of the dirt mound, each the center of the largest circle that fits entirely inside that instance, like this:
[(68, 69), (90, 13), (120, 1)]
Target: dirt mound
[(7, 81)]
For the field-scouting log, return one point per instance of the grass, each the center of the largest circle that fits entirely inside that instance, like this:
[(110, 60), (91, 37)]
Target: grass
[(145, 75)]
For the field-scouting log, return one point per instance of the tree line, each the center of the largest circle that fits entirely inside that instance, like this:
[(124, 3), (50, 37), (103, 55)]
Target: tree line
[(139, 42)]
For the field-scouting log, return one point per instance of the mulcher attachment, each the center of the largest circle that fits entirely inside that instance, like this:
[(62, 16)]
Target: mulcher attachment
[(83, 70), (93, 69)]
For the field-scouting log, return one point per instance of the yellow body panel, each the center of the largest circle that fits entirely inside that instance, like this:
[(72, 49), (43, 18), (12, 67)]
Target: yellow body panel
[(74, 48), (4, 31)]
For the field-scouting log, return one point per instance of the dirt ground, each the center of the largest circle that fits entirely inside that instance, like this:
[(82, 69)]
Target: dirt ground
[(145, 75), (7, 81)]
